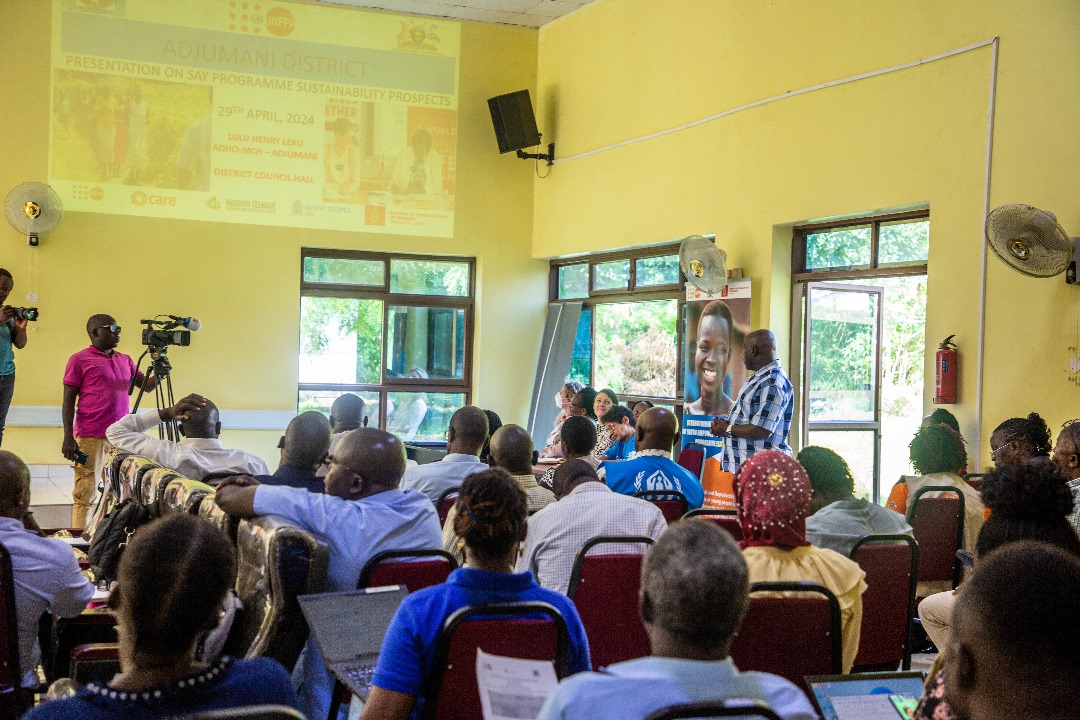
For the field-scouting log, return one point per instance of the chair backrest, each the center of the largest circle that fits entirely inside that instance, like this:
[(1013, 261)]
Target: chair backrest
[(97, 662), (716, 709), (604, 588), (727, 519), (208, 510), (12, 700), (250, 712), (114, 459), (152, 486), (692, 457), (891, 564), (446, 501), (790, 635), (94, 625), (394, 567), (132, 468), (974, 480), (672, 503), (183, 495), (276, 563), (527, 630), (938, 526)]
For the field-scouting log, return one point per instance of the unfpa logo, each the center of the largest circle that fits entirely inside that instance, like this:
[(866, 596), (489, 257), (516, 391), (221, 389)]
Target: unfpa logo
[(280, 22)]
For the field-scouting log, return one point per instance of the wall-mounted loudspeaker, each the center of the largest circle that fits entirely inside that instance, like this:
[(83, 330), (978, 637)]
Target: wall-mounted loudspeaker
[(515, 124)]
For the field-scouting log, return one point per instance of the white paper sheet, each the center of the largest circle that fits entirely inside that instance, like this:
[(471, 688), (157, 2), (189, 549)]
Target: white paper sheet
[(513, 689)]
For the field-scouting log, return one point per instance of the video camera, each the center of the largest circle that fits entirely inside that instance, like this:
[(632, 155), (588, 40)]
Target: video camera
[(162, 331)]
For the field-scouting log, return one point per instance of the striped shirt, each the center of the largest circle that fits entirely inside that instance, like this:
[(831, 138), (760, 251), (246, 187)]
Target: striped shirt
[(766, 400)]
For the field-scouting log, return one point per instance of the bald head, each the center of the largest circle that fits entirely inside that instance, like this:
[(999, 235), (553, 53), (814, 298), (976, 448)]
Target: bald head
[(202, 422), (569, 475), (656, 429), (97, 321), (307, 438), (512, 450), (376, 454), (759, 349), (14, 485), (347, 413), (468, 431)]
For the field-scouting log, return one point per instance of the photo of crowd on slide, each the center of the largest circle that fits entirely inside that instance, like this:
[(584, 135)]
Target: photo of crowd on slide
[(131, 131), (713, 370)]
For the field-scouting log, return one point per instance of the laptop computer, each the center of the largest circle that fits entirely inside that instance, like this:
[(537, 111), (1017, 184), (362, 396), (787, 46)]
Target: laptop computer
[(866, 696), (349, 627)]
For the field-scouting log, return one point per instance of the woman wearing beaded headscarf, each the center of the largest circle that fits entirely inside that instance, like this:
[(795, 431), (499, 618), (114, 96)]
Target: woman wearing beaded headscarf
[(772, 492)]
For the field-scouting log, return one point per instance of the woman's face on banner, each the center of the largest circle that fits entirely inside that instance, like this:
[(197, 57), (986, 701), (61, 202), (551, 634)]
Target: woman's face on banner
[(713, 353)]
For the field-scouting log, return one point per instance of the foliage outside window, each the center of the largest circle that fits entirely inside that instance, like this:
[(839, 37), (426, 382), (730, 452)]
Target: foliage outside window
[(393, 329)]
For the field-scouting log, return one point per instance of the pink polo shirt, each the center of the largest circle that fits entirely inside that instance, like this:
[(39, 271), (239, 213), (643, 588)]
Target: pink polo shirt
[(103, 382)]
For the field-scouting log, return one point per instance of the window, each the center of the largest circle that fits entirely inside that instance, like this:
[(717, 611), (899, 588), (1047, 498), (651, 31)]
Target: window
[(395, 330), (629, 335)]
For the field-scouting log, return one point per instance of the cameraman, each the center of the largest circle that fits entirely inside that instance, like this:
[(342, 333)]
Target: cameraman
[(12, 335)]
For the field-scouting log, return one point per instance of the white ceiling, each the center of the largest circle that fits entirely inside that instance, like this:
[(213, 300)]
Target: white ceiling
[(527, 13)]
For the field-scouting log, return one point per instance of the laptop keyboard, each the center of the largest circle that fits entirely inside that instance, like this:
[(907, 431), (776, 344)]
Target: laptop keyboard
[(359, 675)]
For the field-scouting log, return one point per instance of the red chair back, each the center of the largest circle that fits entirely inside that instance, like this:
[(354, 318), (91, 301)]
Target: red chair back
[(527, 630), (974, 480), (692, 457), (12, 699), (891, 564), (446, 501), (938, 526), (605, 589), (790, 636), (672, 504), (393, 567), (727, 519)]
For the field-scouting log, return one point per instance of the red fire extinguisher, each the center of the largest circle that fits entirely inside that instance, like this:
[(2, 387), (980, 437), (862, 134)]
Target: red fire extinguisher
[(948, 366)]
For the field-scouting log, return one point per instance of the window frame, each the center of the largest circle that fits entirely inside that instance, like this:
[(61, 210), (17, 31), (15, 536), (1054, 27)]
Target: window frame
[(467, 303), (800, 273)]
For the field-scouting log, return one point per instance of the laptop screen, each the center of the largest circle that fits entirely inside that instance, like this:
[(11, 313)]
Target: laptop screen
[(353, 623), (866, 696)]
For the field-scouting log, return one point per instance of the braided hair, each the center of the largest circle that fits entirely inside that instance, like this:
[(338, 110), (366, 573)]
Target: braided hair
[(491, 513), (1031, 431), (937, 448)]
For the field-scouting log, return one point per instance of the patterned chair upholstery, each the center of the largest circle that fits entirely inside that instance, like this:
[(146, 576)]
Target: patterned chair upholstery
[(208, 510), (132, 469), (152, 488), (183, 495)]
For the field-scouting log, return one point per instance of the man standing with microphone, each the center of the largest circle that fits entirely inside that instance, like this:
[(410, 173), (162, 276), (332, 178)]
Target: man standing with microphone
[(99, 377)]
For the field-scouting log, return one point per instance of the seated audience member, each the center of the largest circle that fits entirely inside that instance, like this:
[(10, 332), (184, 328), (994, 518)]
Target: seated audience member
[(1014, 649), (838, 518), (303, 449), (581, 404), (620, 423), (491, 525), (199, 454), (1018, 439), (45, 571), (936, 451), (563, 400), (641, 407), (407, 417), (494, 423), (693, 597), (605, 400), (772, 494), (652, 467), (512, 451), (363, 512), (467, 434), (578, 441), (586, 508), (347, 413), (941, 416), (1029, 501), (172, 581), (1067, 459)]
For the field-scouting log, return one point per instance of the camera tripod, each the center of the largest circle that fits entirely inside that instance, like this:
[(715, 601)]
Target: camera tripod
[(160, 369)]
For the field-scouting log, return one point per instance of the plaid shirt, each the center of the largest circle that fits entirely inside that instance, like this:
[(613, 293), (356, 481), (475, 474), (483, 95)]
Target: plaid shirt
[(558, 532), (1074, 516), (766, 400)]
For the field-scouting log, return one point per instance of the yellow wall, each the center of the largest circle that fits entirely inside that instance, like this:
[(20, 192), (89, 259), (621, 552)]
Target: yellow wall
[(619, 69), (243, 281)]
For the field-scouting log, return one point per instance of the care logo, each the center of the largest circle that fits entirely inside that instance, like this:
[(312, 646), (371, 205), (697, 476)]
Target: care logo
[(280, 21), (418, 35), (138, 198)]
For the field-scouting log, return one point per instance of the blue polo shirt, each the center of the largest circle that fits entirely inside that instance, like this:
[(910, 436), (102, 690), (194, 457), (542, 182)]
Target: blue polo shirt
[(291, 476), (620, 450), (408, 651)]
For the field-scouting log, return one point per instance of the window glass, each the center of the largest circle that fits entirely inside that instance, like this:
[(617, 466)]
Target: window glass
[(636, 347), (581, 359), (425, 342), (842, 248), (614, 275), (903, 242), (429, 277), (662, 270), (421, 417), (340, 340), (322, 400), (573, 281), (344, 271)]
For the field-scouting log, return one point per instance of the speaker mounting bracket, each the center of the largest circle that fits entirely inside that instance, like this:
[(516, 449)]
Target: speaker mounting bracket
[(549, 155)]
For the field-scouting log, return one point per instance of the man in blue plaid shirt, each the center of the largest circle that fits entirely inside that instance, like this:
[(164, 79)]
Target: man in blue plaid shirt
[(760, 418)]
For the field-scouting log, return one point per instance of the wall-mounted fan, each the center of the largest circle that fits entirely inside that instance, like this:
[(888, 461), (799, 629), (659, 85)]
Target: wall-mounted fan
[(34, 209), (703, 264), (1031, 241)]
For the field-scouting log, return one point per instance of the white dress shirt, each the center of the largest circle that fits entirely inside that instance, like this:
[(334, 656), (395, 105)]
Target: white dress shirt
[(558, 532), (433, 479), (192, 457)]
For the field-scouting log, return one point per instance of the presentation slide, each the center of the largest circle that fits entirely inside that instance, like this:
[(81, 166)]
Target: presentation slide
[(272, 113)]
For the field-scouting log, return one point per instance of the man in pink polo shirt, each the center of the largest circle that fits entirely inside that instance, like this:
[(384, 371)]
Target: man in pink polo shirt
[(99, 376)]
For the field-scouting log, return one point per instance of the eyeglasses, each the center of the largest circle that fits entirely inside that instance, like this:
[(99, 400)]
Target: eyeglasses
[(115, 329), (995, 451)]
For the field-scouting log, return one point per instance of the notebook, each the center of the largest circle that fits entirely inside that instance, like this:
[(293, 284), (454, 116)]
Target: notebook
[(866, 696), (349, 627)]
